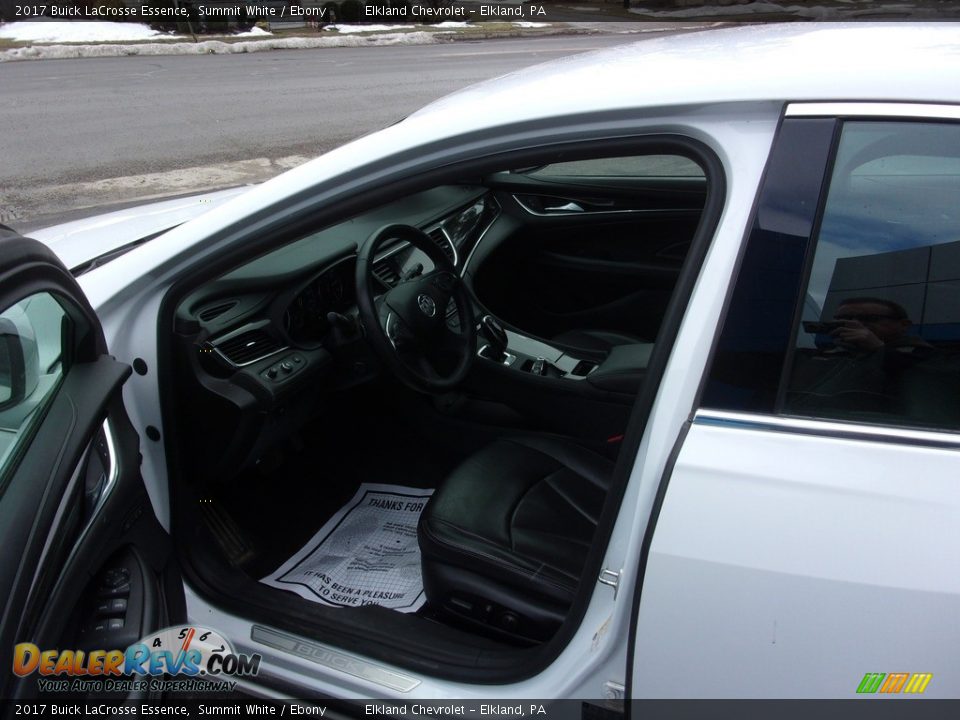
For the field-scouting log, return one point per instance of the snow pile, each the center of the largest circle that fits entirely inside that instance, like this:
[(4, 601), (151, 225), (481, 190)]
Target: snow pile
[(346, 29), (214, 47), (253, 32), (76, 32), (813, 12), (528, 24)]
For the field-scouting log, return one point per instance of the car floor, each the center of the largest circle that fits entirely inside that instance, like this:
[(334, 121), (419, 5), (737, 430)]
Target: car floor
[(369, 435)]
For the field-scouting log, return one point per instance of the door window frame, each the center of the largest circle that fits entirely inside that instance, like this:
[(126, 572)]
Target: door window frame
[(767, 415)]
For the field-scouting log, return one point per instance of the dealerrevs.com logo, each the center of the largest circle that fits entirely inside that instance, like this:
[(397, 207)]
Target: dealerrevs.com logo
[(185, 658)]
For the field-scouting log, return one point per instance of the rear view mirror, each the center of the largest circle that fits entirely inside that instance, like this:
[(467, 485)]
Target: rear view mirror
[(19, 363)]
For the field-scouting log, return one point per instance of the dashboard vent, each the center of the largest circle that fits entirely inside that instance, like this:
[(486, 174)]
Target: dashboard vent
[(443, 242), (214, 311), (384, 272), (248, 347)]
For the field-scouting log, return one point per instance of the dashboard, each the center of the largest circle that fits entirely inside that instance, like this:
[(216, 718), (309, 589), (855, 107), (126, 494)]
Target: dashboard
[(257, 350), (305, 319), (283, 301)]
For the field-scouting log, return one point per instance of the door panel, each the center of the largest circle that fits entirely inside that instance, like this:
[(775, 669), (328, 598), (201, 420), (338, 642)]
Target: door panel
[(768, 579), (587, 273), (598, 243), (72, 501)]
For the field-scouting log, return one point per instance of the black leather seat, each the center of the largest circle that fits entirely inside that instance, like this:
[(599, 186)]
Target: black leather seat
[(504, 539), (600, 340)]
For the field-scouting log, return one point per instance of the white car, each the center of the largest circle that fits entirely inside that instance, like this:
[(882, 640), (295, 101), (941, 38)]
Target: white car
[(630, 376)]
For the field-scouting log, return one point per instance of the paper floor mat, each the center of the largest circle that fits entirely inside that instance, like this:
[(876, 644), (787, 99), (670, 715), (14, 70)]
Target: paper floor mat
[(366, 554)]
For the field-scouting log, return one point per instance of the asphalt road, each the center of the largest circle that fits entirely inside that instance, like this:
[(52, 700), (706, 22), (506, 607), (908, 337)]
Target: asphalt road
[(79, 133)]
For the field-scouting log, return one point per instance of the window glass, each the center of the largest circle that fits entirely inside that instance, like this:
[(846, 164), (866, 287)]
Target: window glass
[(31, 367), (659, 166), (879, 339)]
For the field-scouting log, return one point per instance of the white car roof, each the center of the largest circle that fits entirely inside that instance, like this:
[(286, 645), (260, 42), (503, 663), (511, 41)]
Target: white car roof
[(797, 61), (764, 63)]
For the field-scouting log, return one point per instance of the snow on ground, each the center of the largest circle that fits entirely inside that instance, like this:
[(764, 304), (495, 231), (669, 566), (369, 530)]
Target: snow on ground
[(528, 24), (848, 11), (253, 32), (214, 47), (344, 29), (72, 32)]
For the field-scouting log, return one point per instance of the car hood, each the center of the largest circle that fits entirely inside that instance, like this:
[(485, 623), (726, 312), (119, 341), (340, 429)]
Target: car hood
[(80, 241)]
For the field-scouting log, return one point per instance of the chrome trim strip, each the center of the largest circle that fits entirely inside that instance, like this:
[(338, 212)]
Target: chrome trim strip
[(446, 235), (826, 428), (873, 109), (483, 234), (334, 659), (63, 509), (386, 330), (587, 213), (113, 472), (508, 358), (250, 362), (404, 245), (249, 327)]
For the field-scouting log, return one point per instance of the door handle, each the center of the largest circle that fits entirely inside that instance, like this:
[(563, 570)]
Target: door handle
[(569, 207)]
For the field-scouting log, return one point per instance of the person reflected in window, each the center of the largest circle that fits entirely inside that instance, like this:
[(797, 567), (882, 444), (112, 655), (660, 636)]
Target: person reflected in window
[(869, 324), (871, 364)]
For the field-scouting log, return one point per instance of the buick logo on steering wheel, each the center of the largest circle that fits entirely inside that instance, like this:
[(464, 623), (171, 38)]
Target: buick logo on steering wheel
[(427, 306)]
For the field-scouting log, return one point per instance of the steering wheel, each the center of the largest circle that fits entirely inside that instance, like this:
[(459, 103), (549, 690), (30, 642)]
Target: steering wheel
[(407, 326)]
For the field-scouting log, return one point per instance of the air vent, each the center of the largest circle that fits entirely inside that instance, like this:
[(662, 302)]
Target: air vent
[(248, 347), (384, 272), (214, 311), (441, 239)]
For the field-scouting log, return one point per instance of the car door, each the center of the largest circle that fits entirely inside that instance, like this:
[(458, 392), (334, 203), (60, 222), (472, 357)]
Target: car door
[(598, 243), (808, 521), (85, 564)]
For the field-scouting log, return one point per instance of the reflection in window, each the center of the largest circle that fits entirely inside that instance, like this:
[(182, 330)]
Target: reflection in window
[(634, 166), (880, 334), (31, 337)]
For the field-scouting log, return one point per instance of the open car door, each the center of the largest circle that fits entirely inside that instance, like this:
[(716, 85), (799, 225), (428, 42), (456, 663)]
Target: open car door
[(85, 563)]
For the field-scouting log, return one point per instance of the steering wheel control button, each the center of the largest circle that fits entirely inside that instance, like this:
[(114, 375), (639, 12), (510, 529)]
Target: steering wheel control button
[(427, 305)]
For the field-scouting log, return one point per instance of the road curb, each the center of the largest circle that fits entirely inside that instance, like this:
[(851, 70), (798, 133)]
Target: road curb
[(219, 47)]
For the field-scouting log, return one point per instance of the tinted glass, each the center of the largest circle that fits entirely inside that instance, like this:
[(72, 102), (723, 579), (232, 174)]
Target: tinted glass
[(31, 335), (756, 338), (879, 339), (665, 166)]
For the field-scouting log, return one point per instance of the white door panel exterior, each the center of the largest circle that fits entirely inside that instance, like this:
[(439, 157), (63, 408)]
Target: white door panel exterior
[(772, 578)]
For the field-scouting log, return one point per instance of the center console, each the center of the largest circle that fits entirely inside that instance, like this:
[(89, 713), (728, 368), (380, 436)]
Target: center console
[(531, 356), (620, 370), (581, 393)]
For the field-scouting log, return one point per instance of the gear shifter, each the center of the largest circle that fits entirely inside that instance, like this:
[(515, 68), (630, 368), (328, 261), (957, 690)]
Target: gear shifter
[(496, 337)]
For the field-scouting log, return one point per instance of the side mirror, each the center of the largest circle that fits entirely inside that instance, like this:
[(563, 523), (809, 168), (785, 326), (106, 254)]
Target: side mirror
[(19, 362)]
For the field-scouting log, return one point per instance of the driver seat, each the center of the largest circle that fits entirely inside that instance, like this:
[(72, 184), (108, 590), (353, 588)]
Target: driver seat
[(504, 539)]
